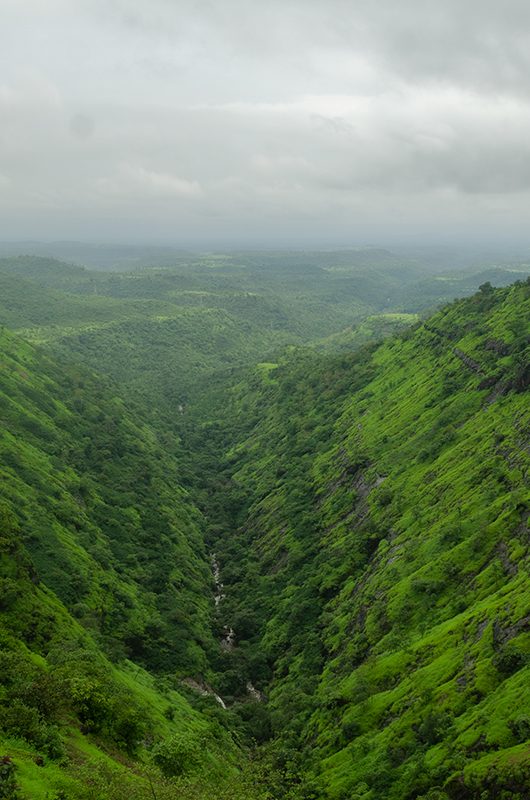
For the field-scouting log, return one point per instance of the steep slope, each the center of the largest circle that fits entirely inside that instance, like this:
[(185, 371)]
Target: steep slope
[(74, 725), (373, 540), (102, 515), (101, 561)]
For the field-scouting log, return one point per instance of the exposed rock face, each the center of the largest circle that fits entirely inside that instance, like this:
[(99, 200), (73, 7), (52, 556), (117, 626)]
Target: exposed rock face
[(468, 361), (228, 641), (204, 689)]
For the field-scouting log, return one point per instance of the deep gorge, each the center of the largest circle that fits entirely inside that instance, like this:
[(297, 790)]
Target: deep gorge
[(367, 506)]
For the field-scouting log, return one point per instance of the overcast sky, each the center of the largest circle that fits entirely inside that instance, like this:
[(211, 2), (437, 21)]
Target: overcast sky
[(287, 121)]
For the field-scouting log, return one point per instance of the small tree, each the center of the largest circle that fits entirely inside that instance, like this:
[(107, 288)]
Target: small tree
[(8, 783), (177, 755)]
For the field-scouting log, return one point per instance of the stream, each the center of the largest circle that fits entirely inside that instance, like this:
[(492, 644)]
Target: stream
[(228, 638), (227, 642), (204, 689)]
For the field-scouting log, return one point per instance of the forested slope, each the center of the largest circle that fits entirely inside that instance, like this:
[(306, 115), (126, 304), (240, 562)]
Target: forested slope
[(378, 573), (100, 509), (102, 564)]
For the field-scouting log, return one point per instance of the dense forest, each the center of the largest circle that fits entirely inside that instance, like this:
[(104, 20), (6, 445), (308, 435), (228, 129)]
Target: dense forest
[(264, 529)]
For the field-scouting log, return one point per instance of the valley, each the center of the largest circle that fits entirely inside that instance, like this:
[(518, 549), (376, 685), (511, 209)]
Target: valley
[(264, 528)]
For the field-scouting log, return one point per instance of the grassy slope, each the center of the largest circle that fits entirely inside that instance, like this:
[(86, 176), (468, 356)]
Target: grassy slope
[(77, 726), (380, 568), (441, 618)]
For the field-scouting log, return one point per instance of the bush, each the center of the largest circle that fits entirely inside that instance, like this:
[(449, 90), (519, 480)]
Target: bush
[(9, 592), (108, 711), (91, 703), (433, 727), (509, 660), (8, 784), (128, 729), (178, 755), (520, 728), (23, 721), (350, 731)]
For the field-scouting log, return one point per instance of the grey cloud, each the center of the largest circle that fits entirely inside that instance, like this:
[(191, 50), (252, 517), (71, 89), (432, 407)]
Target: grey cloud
[(156, 117), (479, 43), (81, 126)]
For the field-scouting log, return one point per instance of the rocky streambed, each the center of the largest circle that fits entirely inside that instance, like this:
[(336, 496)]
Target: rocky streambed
[(228, 639)]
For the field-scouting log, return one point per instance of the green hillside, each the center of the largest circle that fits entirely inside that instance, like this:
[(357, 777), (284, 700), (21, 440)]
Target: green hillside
[(102, 564), (100, 509), (366, 504), (377, 568)]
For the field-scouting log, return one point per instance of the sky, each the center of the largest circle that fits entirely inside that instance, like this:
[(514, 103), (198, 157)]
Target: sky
[(283, 122)]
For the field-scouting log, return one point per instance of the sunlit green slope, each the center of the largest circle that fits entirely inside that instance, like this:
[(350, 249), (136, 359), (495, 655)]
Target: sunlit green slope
[(378, 572)]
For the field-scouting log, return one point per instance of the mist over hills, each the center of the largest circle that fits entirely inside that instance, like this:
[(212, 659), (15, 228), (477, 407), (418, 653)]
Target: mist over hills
[(429, 256)]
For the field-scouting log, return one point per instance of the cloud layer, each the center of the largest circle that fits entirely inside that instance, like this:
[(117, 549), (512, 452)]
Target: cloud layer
[(335, 121)]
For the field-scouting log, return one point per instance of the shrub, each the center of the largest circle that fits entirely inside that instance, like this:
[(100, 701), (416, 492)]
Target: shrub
[(8, 784), (520, 728), (127, 729), (509, 660), (433, 727), (9, 592), (23, 721), (177, 755), (91, 703)]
